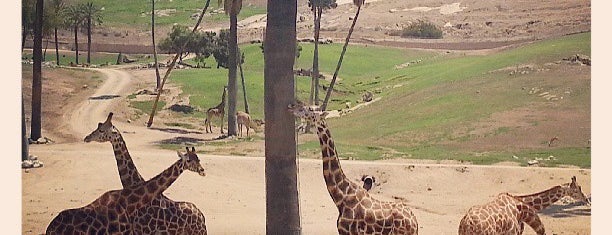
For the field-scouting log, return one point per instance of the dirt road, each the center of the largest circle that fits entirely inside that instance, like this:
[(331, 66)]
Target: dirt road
[(232, 194)]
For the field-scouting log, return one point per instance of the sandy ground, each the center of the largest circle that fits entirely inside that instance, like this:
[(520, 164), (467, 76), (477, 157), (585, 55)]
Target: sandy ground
[(232, 194)]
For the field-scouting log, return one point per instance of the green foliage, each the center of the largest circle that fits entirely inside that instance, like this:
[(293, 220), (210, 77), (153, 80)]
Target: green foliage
[(202, 44), (422, 29), (221, 51)]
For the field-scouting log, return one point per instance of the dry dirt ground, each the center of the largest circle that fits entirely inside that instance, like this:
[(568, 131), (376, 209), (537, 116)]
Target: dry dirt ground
[(232, 194)]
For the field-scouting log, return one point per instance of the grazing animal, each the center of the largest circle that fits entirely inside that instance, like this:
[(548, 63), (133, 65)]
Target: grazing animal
[(507, 214), (244, 119), (109, 214), (162, 215), (359, 213)]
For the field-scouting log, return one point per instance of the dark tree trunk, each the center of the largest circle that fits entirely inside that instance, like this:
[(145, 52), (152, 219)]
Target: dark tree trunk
[(231, 82), (282, 198), (76, 43), (24, 35), (244, 91), (24, 135), (36, 125), (89, 40), (346, 42), (158, 78), (315, 60), (44, 56), (57, 57)]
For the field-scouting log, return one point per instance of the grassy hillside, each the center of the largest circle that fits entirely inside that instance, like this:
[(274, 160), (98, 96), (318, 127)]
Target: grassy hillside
[(449, 106), (137, 13)]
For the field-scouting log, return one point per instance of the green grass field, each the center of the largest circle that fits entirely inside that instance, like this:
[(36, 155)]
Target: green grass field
[(97, 58), (119, 13), (424, 105)]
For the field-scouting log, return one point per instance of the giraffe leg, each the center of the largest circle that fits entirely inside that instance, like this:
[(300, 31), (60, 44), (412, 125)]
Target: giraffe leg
[(533, 220)]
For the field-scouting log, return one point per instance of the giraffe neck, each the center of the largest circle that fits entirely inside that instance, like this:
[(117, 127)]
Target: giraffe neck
[(543, 199), (143, 194), (127, 170), (338, 185), (221, 105)]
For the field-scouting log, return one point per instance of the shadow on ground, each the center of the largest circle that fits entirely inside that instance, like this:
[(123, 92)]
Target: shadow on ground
[(104, 97), (182, 141), (569, 210), (175, 130)]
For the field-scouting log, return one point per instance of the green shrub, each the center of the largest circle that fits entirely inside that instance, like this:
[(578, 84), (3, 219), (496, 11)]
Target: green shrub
[(422, 29)]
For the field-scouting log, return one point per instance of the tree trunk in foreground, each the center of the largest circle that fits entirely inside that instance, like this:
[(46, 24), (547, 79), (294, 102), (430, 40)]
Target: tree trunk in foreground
[(282, 197), (231, 82), (36, 125)]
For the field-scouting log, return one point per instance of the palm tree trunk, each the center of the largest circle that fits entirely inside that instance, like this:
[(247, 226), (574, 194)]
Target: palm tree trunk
[(244, 91), (57, 57), (44, 56), (150, 122), (36, 126), (88, 40), (158, 78), (231, 82), (315, 61), (333, 81), (282, 196), (76, 43)]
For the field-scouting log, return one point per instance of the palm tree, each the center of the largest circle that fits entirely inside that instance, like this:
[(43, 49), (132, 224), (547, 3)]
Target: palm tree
[(92, 16), (158, 78), (56, 21), (36, 126), (232, 8), (74, 18), (282, 201), (173, 63), (357, 3), (317, 7)]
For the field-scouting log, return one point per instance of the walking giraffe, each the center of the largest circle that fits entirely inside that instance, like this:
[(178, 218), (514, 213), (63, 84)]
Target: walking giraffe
[(162, 215), (109, 214), (507, 214), (359, 212)]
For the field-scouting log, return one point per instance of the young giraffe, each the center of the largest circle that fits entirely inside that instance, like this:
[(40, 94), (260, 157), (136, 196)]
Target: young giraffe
[(358, 212), (162, 215), (508, 213), (109, 214), (217, 111), (243, 119)]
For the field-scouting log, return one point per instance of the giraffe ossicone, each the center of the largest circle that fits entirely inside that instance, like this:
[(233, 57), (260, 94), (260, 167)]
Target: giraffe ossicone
[(359, 213)]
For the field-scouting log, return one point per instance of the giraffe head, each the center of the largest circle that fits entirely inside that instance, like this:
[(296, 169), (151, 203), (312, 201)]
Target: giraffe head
[(190, 158), (368, 182), (104, 132), (310, 113), (575, 191)]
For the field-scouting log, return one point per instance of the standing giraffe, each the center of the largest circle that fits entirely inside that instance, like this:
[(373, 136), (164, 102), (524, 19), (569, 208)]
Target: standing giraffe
[(358, 212), (243, 119), (162, 215), (507, 213), (109, 214), (217, 111)]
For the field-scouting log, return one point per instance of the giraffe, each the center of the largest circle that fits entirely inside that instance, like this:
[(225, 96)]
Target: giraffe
[(507, 214), (109, 214), (162, 214), (359, 213), (217, 111), (368, 181), (243, 119)]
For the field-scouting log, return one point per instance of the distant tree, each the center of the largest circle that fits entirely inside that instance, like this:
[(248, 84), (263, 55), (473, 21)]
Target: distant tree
[(179, 36), (92, 16), (203, 46), (74, 19), (157, 76), (27, 19), (317, 7), (357, 3), (56, 19), (221, 52)]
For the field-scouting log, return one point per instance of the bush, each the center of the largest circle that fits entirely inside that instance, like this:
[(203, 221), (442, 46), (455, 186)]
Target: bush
[(422, 29)]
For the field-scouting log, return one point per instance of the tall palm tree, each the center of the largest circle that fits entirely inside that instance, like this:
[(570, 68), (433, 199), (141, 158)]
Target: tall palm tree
[(158, 78), (36, 125), (317, 7), (74, 18), (282, 200), (56, 21), (92, 16), (173, 63), (357, 3), (232, 8)]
